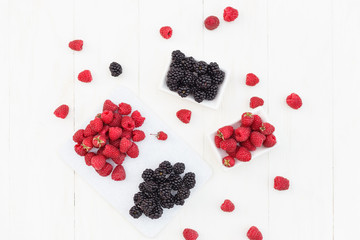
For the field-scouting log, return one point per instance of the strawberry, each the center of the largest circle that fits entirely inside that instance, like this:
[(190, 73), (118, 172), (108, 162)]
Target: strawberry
[(294, 101), (133, 151), (110, 151), (115, 143), (251, 79), (107, 116), (281, 183), (98, 161), (127, 123), (228, 161), (227, 206), (126, 134), (104, 131), (125, 144), (270, 141), (85, 76), (80, 150), (184, 115), (96, 125), (115, 133), (243, 155), (233, 154), (256, 102), (242, 134), (87, 143), (257, 123), (228, 145), (257, 138), (62, 111), (247, 119), (89, 131), (119, 160), (248, 145), (76, 45), (106, 170), (267, 129), (225, 132), (124, 109), (110, 106), (254, 234), (190, 234), (88, 157), (119, 173), (138, 135), (116, 122), (79, 136), (217, 141), (138, 119), (98, 141), (161, 136)]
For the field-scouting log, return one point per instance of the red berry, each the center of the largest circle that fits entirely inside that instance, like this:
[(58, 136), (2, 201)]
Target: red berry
[(233, 154), (243, 155), (138, 119), (98, 161), (294, 101), (127, 123), (256, 102), (124, 109), (248, 145), (133, 151), (126, 134), (62, 111), (87, 143), (96, 124), (281, 183), (104, 131), (88, 158), (106, 170), (98, 141), (89, 131), (115, 143), (119, 160), (251, 79), (115, 133), (116, 122), (79, 136), (184, 115), (85, 76), (211, 22), (138, 135), (217, 141), (254, 234), (228, 145), (119, 173), (110, 151), (247, 119), (100, 150), (267, 129), (166, 32), (190, 234), (227, 206), (257, 138), (161, 136), (79, 149), (107, 116), (242, 134), (110, 106), (228, 161), (225, 132), (270, 141), (125, 144), (230, 14), (257, 123), (76, 45)]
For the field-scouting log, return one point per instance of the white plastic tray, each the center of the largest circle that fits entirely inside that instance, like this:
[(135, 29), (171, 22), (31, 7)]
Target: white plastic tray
[(152, 152)]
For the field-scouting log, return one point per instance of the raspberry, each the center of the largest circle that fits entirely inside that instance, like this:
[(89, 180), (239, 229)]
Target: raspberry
[(230, 14), (133, 151), (96, 124), (233, 154), (88, 157), (211, 22), (217, 141), (100, 150), (115, 133), (228, 145), (115, 69), (119, 160), (190, 234), (107, 116), (119, 173), (227, 206), (281, 183), (242, 134), (104, 131), (116, 122), (184, 115), (87, 144), (243, 155), (248, 145), (106, 170), (124, 109), (247, 119), (76, 45), (80, 150), (270, 141), (111, 151), (161, 136), (127, 123), (125, 144), (89, 131), (256, 102), (110, 106), (225, 132), (251, 79), (138, 119), (138, 135), (257, 123), (115, 143), (166, 32), (254, 234), (85, 76), (98, 161), (126, 134), (294, 101), (98, 141), (62, 111), (257, 138), (267, 129), (228, 161), (79, 136)]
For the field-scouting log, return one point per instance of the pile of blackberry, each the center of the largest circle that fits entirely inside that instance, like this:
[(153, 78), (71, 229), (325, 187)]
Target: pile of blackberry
[(162, 188), (187, 76)]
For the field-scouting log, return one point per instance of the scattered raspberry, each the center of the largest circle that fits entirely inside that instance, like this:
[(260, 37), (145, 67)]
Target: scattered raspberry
[(230, 14), (119, 173), (138, 119), (126, 134), (248, 145), (124, 109), (242, 134), (211, 22), (119, 160), (62, 111), (254, 234), (89, 131), (98, 141), (98, 161), (106, 170), (270, 141), (125, 144), (76, 45), (79, 136), (85, 76), (127, 123), (247, 119), (257, 123), (190, 234), (251, 79), (111, 151), (115, 143), (267, 129), (138, 135), (294, 101), (225, 132), (96, 124), (228, 145), (133, 151), (88, 157), (107, 116), (257, 138), (281, 183), (166, 32), (87, 143), (161, 135), (243, 155), (80, 150), (110, 106), (116, 122), (228, 161), (256, 102), (115, 133), (184, 115), (217, 141), (227, 206)]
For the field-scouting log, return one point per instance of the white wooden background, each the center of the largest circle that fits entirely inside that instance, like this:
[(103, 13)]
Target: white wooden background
[(310, 47)]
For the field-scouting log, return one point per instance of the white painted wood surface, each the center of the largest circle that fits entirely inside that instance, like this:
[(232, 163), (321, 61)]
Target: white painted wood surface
[(310, 47)]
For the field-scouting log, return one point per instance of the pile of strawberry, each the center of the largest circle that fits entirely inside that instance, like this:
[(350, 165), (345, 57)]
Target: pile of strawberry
[(240, 142), (110, 135)]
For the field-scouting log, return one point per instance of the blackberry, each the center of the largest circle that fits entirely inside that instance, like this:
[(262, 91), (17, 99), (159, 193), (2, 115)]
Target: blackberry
[(147, 205), (189, 78), (184, 91), (152, 195), (176, 182), (179, 168), (135, 212), (199, 95), (183, 193), (189, 64), (160, 175), (165, 191), (177, 55), (218, 77), (172, 85), (179, 201), (211, 92), (142, 187), (203, 82), (201, 67), (189, 180), (167, 203), (148, 174), (138, 198), (115, 69), (174, 78), (212, 68), (177, 64), (156, 213), (151, 186), (166, 165)]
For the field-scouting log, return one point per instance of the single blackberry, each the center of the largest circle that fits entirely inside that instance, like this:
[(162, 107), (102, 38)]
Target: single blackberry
[(165, 191), (199, 95), (189, 64), (203, 82), (211, 92), (160, 175), (172, 85), (142, 187), (218, 77), (115, 69), (177, 55), (189, 180), (147, 205), (135, 212), (179, 201), (177, 64), (148, 174), (166, 165), (167, 203), (138, 198), (183, 193), (179, 168), (176, 182), (151, 186), (174, 78), (201, 67), (184, 91), (189, 78), (213, 67), (156, 212)]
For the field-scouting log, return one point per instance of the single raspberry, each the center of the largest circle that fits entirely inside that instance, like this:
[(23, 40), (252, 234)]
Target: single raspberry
[(96, 124), (98, 141), (125, 144), (115, 143), (115, 133), (267, 129), (161, 136), (119, 173), (110, 106), (88, 157), (243, 155), (190, 234), (242, 134), (247, 119), (211, 22), (256, 102), (228, 161), (87, 143), (111, 151), (138, 119), (127, 123), (233, 154), (270, 141), (126, 134), (89, 131), (62, 111), (124, 109), (104, 131), (166, 32), (281, 183), (257, 138), (227, 206), (225, 132), (107, 116), (257, 123), (251, 79), (133, 151), (217, 141), (116, 122), (79, 149), (85, 76), (119, 160), (184, 115), (98, 161), (248, 145), (228, 145), (138, 135), (230, 14), (76, 45), (294, 101), (106, 170), (79, 136), (254, 234)]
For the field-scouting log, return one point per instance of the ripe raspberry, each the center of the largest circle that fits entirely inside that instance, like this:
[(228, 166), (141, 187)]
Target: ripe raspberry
[(294, 101), (233, 154), (133, 151), (87, 143), (100, 151), (80, 150), (247, 119), (115, 143), (257, 123), (217, 141), (211, 22), (119, 173), (85, 76), (230, 14), (116, 122), (225, 132), (125, 144), (110, 106), (242, 134), (267, 129), (124, 109), (62, 111), (76, 45), (256, 102), (270, 141), (228, 161), (190, 234), (227, 206), (96, 124), (126, 134), (228, 145), (161, 136), (138, 119), (138, 135), (104, 131), (251, 79), (119, 160), (98, 141), (106, 170), (257, 138), (166, 32), (115, 133), (111, 151), (248, 145), (89, 131), (281, 183), (127, 123), (98, 161), (254, 234), (88, 157), (243, 155), (184, 115), (79, 136), (107, 116)]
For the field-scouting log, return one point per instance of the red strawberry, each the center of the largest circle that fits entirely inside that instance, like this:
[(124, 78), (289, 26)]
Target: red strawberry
[(106, 170), (119, 160), (115, 133), (125, 144), (85, 76), (228, 145), (138, 135), (119, 173), (270, 141), (251, 79), (127, 123), (225, 132), (110, 106), (257, 138), (256, 123), (126, 134), (161, 136), (166, 32), (211, 22), (190, 234), (107, 116), (217, 141), (267, 129), (281, 183), (242, 134), (116, 122), (184, 115), (87, 143), (80, 150), (138, 119), (247, 119), (88, 157), (98, 161), (79, 136), (76, 45), (254, 234), (62, 111), (104, 131), (233, 154), (89, 131), (294, 101), (98, 141), (110, 151), (96, 125), (248, 145), (227, 206), (124, 109), (256, 102), (228, 161), (115, 143), (243, 155), (133, 151)]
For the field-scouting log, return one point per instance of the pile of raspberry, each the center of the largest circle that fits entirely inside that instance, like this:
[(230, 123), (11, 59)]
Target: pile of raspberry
[(240, 142), (109, 138), (187, 76), (163, 187)]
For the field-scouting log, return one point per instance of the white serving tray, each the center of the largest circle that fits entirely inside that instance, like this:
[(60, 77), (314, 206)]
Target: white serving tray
[(152, 152), (235, 124)]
